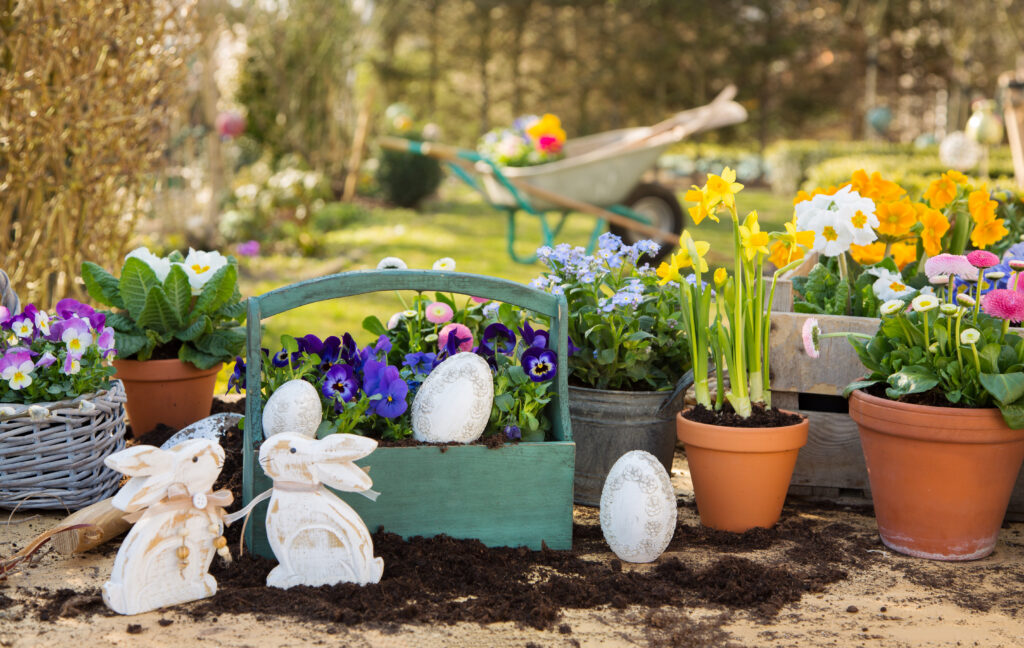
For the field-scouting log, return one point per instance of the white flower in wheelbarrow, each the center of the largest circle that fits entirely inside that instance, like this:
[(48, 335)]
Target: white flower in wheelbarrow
[(200, 266)]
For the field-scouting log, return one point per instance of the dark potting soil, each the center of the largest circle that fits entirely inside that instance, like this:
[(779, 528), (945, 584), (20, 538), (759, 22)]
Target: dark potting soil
[(932, 397), (760, 417)]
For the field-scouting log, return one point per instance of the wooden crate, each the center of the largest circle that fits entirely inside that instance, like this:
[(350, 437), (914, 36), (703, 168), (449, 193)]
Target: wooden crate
[(518, 495), (831, 465)]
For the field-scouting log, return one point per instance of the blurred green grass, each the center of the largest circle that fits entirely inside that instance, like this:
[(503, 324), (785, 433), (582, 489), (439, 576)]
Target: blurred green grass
[(461, 226)]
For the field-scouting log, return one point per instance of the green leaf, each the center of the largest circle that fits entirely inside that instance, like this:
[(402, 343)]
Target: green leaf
[(289, 344), (101, 285), (137, 279), (157, 313), (1005, 388), (325, 428), (606, 356), (504, 402), (912, 379), (123, 324), (195, 329), (807, 307), (189, 353), (224, 343), (127, 344), (857, 384), (989, 356), (517, 375), (218, 290), (1013, 414), (639, 335), (178, 292), (374, 325)]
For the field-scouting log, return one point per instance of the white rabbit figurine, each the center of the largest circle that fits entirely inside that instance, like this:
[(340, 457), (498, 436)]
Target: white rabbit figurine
[(167, 554), (317, 538)]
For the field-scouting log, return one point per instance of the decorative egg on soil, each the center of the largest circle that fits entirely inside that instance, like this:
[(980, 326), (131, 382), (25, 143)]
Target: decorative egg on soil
[(638, 508), (454, 402), (293, 407)]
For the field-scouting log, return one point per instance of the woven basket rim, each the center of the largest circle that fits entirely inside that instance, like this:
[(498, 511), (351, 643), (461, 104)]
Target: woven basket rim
[(113, 393)]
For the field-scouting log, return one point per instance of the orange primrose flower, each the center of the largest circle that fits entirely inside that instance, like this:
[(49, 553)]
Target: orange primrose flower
[(895, 218), (987, 233), (868, 254), (941, 192), (935, 227), (903, 253), (981, 206)]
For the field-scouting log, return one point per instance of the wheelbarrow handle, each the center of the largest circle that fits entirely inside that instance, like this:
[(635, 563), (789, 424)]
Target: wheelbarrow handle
[(429, 149)]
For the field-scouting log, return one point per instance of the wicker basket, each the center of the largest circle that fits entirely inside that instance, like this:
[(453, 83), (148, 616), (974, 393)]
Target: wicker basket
[(51, 454)]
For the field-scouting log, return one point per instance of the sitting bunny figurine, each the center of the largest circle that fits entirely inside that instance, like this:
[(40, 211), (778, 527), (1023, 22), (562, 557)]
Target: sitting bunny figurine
[(178, 527), (318, 539)]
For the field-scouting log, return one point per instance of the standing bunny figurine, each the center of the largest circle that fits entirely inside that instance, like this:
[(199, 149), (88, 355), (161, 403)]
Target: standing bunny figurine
[(317, 538), (178, 526)]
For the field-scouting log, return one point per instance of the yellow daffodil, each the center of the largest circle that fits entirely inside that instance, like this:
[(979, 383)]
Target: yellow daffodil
[(700, 211), (667, 272), (754, 241), (722, 190), (935, 226), (987, 233), (720, 276), (868, 254), (682, 259), (981, 206), (895, 218), (941, 192)]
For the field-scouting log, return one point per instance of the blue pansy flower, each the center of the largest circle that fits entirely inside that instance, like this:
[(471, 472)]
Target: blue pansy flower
[(513, 433), (420, 361), (280, 359), (340, 384), (237, 379), (392, 391), (540, 364)]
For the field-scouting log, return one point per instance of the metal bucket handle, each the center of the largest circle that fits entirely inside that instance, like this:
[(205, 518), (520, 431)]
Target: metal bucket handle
[(675, 399)]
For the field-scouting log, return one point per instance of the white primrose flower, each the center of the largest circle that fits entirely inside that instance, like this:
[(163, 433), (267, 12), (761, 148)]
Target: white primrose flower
[(892, 307), (969, 336), (159, 265), (445, 263), (925, 303), (837, 220), (889, 286), (200, 266)]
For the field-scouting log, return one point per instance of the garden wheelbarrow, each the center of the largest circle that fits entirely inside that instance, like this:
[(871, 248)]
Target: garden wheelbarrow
[(600, 175)]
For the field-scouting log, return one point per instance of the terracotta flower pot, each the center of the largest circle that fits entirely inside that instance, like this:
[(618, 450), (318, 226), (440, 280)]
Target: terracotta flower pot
[(171, 392), (941, 477), (740, 475)]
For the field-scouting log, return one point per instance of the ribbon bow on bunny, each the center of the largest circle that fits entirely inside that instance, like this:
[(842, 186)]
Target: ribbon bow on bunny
[(178, 498)]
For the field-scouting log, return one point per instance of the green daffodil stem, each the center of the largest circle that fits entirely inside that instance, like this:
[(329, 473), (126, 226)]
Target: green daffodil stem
[(738, 395), (698, 356)]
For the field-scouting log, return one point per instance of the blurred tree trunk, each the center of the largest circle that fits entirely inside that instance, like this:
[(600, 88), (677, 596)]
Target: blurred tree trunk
[(202, 233), (435, 56), (483, 19), (520, 16)]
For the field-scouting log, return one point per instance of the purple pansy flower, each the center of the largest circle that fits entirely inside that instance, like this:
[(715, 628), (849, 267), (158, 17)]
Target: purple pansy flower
[(372, 371), (513, 433), (106, 342), (68, 307), (392, 391), (534, 338), (310, 344), (420, 362), (280, 359), (237, 379), (348, 349), (72, 364), (498, 338), (383, 346), (340, 384), (46, 360), (540, 364)]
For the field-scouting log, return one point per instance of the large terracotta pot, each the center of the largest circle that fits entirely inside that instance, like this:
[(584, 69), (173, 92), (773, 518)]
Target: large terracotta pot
[(941, 477), (740, 475), (171, 392)]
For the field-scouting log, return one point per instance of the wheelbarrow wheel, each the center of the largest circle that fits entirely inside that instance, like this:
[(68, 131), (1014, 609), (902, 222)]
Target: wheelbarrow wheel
[(659, 204)]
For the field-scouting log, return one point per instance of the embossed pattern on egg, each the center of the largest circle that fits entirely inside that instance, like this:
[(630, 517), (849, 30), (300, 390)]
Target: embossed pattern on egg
[(293, 407), (638, 508), (454, 403)]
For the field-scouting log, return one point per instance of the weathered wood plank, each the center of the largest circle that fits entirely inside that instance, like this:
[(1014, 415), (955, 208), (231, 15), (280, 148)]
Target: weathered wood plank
[(516, 495), (832, 456), (793, 370)]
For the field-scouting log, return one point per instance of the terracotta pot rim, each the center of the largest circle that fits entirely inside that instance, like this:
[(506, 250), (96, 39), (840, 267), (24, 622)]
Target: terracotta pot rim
[(161, 370), (979, 425), (736, 439)]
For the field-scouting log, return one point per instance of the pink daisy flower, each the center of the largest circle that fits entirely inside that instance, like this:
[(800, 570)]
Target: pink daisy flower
[(460, 331), (1005, 304), (982, 259), (439, 313), (810, 334), (951, 264)]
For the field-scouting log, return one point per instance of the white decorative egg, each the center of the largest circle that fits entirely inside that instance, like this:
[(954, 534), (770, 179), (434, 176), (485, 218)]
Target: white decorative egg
[(638, 508), (293, 407), (454, 402)]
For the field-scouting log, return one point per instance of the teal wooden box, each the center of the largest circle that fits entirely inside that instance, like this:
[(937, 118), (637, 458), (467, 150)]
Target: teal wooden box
[(517, 495)]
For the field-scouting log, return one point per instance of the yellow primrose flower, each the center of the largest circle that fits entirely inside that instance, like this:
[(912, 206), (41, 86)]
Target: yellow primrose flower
[(941, 192), (981, 206), (868, 254), (802, 196), (722, 190), (720, 276), (987, 233), (754, 241), (935, 226), (895, 218), (701, 210), (682, 259)]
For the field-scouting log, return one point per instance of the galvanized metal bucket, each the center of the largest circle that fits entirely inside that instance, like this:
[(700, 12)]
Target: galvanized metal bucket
[(607, 424)]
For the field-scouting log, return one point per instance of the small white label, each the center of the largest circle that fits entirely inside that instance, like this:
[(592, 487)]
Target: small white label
[(199, 500)]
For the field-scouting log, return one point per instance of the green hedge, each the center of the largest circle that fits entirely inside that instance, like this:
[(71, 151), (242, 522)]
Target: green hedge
[(790, 160)]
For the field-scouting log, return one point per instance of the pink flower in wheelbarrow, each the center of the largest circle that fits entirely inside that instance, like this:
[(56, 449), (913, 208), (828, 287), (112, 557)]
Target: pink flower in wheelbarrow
[(549, 144), (810, 334)]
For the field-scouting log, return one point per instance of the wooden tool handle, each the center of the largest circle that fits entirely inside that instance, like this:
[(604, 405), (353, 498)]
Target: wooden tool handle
[(103, 520)]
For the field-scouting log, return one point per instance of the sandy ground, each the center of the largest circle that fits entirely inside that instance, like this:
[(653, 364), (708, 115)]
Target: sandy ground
[(893, 601)]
